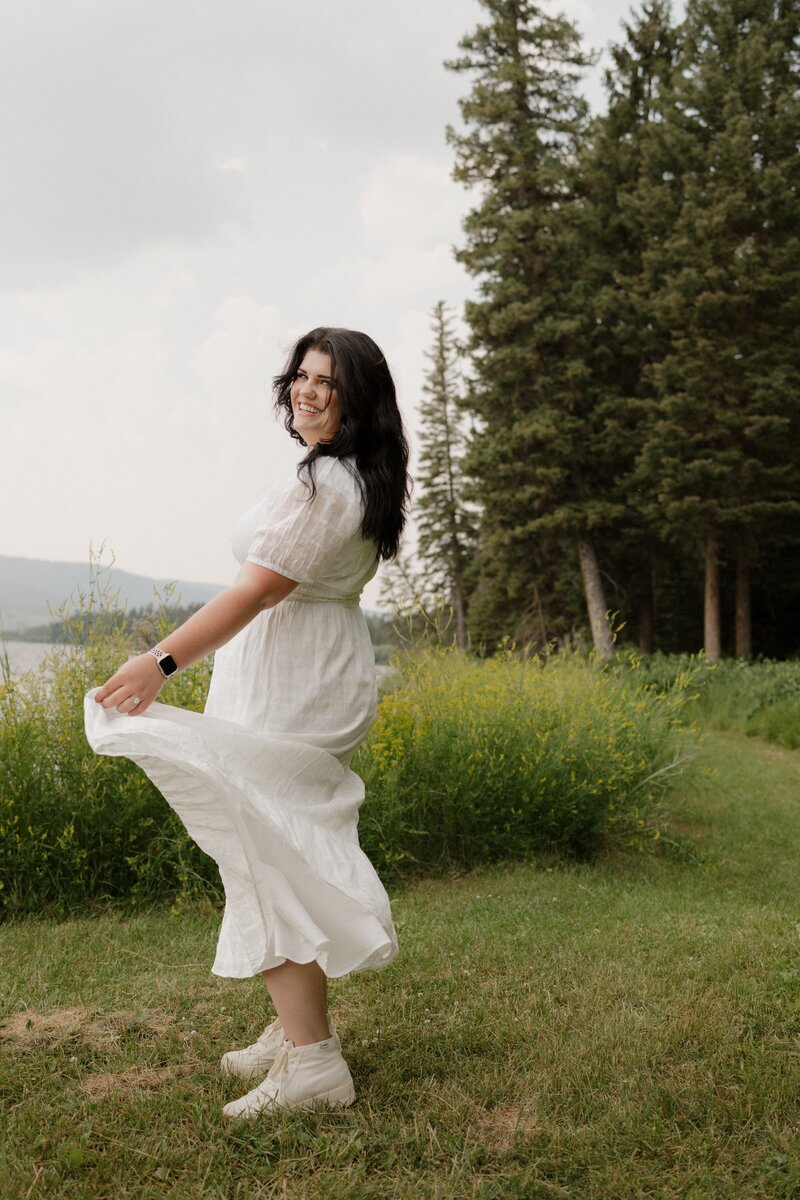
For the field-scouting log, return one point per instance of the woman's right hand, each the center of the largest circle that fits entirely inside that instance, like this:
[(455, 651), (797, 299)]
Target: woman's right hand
[(134, 687)]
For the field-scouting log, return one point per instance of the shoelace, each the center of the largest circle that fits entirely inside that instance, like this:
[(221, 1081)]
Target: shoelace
[(280, 1064)]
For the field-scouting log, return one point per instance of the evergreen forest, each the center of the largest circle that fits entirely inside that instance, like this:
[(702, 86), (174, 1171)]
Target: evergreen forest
[(614, 448)]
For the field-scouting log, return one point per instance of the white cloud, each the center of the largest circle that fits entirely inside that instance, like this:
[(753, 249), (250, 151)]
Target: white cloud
[(117, 138), (234, 366), (232, 164), (176, 210), (411, 211), (244, 349), (174, 287), (408, 198), (411, 272)]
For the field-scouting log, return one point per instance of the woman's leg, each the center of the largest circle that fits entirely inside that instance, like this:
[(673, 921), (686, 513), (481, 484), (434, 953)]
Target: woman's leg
[(313, 1068), (299, 992)]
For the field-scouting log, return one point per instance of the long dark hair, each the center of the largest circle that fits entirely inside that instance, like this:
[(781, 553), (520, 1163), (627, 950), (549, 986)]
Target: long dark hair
[(371, 430)]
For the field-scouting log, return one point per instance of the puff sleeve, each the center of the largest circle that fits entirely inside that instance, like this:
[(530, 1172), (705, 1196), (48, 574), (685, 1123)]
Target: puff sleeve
[(299, 536)]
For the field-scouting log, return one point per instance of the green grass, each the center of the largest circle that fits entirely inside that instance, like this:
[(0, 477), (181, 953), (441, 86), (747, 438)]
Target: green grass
[(629, 1028)]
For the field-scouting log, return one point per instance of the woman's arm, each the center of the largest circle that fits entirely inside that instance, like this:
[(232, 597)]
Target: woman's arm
[(254, 589)]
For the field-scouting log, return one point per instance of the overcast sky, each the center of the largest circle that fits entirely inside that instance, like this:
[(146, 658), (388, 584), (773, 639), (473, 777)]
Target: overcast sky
[(187, 187)]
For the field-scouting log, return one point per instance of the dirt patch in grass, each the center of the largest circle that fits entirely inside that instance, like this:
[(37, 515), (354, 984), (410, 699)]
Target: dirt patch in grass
[(29, 1030), (137, 1079), (498, 1127), (149, 1023)]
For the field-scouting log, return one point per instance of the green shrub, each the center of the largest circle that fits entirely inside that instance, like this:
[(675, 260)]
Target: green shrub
[(474, 761)]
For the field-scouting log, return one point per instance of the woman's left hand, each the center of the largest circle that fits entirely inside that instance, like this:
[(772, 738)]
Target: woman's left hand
[(134, 687)]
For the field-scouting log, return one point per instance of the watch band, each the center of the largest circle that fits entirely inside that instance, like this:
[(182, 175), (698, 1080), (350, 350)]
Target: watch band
[(166, 663)]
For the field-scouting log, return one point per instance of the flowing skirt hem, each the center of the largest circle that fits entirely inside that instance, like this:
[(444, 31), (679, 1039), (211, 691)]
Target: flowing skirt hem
[(280, 821)]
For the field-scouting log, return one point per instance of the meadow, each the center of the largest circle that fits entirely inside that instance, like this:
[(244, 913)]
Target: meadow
[(625, 1027)]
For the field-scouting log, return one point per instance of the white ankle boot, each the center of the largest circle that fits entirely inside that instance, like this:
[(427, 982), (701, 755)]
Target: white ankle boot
[(300, 1077), (254, 1061)]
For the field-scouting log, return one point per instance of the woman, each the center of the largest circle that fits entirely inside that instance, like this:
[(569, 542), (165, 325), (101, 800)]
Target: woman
[(262, 779)]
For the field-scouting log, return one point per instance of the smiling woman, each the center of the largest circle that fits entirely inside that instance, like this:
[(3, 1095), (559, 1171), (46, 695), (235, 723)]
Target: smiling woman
[(262, 779)]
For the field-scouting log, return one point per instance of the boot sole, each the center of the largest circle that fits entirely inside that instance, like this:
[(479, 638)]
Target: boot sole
[(341, 1097)]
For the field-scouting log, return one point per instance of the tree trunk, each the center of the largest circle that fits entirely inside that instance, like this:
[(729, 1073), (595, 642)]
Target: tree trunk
[(712, 641), (595, 599), (744, 633), (460, 615), (647, 616)]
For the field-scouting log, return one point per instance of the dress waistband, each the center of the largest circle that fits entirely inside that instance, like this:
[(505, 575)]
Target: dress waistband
[(308, 597)]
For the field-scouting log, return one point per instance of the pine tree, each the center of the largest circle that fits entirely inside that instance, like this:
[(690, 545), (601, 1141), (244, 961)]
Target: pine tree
[(530, 461), (635, 342), (444, 521), (724, 449), (623, 340)]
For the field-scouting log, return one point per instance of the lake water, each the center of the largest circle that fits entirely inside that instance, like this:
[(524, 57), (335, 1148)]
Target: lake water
[(25, 655)]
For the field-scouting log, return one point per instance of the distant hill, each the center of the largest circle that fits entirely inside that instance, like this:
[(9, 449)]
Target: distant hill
[(29, 585)]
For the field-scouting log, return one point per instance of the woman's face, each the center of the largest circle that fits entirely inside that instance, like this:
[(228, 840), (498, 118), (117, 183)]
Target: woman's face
[(315, 405)]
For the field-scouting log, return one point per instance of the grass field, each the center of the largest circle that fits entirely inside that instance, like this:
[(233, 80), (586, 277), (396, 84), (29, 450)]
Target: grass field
[(629, 1028)]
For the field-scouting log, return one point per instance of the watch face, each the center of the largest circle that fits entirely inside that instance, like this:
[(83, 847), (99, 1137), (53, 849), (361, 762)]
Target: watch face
[(168, 664)]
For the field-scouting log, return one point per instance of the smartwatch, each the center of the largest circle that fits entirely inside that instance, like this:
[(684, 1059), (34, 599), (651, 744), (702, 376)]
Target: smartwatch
[(166, 663)]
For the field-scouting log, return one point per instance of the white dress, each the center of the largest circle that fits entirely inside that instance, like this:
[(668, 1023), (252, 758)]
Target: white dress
[(261, 780)]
